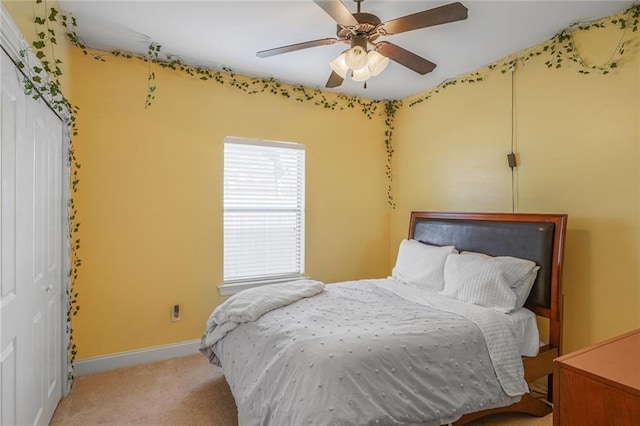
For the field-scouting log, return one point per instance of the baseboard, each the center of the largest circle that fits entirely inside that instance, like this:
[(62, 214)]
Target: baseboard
[(140, 356)]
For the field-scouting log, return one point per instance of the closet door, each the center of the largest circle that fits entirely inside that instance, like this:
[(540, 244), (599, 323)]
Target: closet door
[(14, 293), (46, 277), (31, 247)]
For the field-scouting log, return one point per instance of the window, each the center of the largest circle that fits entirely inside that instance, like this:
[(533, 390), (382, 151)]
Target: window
[(263, 210)]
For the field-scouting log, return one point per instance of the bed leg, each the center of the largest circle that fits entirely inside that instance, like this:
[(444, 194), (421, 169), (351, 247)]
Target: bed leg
[(550, 388)]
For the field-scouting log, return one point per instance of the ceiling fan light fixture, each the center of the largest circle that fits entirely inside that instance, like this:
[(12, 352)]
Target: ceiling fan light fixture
[(376, 62), (339, 65), (356, 57), (363, 74), (362, 30)]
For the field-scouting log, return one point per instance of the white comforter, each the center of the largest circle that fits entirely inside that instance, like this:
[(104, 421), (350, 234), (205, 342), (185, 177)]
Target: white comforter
[(368, 352), (251, 304)]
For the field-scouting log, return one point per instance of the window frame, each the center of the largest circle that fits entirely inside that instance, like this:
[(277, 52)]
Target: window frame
[(233, 285)]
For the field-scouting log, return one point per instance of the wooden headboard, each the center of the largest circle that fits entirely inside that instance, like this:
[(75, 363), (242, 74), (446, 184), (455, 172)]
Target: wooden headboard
[(537, 237)]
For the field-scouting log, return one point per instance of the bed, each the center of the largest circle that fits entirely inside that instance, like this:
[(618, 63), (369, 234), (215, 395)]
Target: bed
[(386, 351)]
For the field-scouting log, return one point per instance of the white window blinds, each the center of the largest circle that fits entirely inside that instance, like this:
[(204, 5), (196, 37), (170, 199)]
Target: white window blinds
[(263, 210)]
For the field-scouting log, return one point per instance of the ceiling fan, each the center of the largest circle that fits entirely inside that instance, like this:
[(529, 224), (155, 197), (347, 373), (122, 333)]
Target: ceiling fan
[(361, 30)]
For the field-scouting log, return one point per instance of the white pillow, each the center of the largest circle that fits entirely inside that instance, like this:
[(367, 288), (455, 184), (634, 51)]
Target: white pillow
[(422, 265), (498, 283), (523, 287)]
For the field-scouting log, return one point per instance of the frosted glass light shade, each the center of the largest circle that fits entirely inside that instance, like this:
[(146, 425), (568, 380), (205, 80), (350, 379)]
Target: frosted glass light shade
[(362, 74), (339, 65), (349, 60), (356, 57), (376, 62)]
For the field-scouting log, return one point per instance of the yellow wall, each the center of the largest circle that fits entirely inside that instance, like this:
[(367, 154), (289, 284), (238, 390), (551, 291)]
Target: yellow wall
[(150, 197), (577, 136)]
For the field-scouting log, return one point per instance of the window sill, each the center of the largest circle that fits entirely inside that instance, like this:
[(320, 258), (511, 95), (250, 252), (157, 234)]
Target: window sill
[(233, 288)]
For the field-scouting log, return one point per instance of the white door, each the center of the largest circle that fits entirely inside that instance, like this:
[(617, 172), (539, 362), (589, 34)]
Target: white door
[(47, 273), (31, 245)]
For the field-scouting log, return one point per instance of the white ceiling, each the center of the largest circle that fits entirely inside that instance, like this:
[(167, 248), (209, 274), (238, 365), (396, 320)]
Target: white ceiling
[(218, 34)]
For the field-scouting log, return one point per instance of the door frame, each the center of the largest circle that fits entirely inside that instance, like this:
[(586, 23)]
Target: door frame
[(18, 49)]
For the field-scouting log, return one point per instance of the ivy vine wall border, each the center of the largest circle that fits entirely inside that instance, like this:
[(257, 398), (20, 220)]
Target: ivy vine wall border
[(561, 49)]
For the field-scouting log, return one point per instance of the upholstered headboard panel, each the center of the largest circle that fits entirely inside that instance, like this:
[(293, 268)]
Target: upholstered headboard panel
[(528, 236)]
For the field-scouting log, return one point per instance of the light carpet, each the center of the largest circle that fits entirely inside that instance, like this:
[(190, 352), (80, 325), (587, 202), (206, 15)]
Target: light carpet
[(179, 391)]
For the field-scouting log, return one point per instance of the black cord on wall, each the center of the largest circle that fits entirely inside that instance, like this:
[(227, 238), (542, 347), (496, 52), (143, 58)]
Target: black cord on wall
[(511, 157)]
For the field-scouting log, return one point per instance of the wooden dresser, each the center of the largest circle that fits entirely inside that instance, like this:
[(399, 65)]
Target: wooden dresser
[(599, 385)]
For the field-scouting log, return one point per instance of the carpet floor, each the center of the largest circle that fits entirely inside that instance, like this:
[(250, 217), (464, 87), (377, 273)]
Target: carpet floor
[(179, 391)]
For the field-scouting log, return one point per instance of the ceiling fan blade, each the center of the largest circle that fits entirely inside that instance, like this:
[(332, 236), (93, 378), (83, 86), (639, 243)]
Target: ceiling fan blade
[(338, 11), (334, 80), (404, 57), (297, 46), (427, 18)]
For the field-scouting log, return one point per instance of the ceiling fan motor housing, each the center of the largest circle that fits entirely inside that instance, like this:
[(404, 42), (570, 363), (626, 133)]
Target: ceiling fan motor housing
[(367, 26)]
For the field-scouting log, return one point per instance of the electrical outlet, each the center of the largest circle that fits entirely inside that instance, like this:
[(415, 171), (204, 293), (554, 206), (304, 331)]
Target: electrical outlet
[(175, 313)]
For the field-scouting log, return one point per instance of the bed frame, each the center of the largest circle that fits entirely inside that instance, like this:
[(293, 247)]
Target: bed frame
[(537, 237)]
